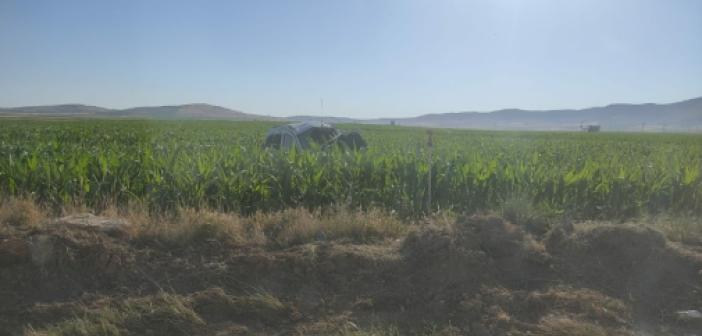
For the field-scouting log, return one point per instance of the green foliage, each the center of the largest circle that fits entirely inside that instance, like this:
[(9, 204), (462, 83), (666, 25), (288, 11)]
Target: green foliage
[(222, 165)]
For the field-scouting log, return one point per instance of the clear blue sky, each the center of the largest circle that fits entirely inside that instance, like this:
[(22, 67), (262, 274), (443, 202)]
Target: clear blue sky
[(365, 58)]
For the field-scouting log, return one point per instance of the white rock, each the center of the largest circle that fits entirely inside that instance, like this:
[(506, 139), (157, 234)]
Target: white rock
[(689, 315), (103, 224)]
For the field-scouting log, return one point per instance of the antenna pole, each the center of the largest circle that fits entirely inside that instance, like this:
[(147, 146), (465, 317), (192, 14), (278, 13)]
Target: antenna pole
[(321, 105)]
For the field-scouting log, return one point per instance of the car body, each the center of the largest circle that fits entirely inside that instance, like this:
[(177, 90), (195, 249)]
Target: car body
[(307, 135)]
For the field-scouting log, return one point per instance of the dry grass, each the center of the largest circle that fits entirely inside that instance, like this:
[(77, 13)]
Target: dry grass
[(353, 330), (73, 208), (556, 325), (586, 303), (216, 304), (685, 229), (350, 329), (20, 213), (276, 230), (676, 227), (298, 226), (164, 314), (191, 226), (135, 213)]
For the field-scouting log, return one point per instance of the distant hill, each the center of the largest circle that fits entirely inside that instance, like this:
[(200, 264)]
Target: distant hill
[(54, 110), (681, 116), (189, 111)]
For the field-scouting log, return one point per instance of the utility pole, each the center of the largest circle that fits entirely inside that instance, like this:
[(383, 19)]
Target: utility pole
[(430, 146)]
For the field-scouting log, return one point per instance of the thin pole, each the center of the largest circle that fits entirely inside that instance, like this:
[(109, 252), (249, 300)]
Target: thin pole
[(430, 146), (321, 105)]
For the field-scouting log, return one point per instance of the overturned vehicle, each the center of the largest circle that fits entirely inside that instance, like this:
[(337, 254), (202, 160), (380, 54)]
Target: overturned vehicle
[(308, 135)]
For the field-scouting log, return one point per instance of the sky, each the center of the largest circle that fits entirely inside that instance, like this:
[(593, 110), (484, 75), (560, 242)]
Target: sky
[(362, 58)]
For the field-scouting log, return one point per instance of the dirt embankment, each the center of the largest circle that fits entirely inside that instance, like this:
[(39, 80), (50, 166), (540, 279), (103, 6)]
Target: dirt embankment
[(478, 276)]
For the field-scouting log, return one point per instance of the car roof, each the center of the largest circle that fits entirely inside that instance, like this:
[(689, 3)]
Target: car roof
[(298, 128)]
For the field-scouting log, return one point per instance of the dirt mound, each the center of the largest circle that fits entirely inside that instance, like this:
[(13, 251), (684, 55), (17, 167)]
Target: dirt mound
[(14, 251), (59, 263), (500, 310), (631, 262), (494, 277), (502, 251), (480, 276)]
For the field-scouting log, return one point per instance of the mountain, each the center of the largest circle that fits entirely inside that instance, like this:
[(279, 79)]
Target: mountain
[(680, 116), (188, 111), (54, 110)]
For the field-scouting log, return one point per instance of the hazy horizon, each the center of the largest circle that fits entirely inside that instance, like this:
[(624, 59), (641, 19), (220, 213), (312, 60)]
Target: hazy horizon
[(364, 59), (373, 117)]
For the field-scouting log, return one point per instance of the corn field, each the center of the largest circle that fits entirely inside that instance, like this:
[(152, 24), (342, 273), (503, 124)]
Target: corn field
[(223, 166)]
